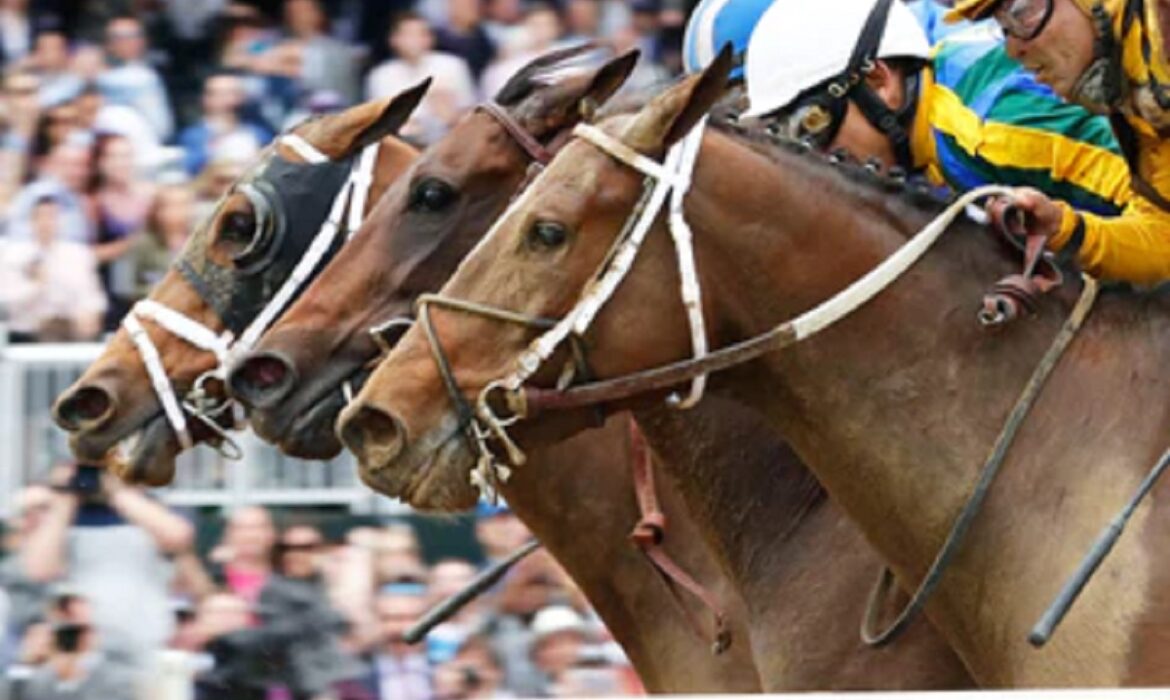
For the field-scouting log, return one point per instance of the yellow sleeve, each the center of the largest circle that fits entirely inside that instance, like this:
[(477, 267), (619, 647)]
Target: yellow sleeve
[(1133, 247)]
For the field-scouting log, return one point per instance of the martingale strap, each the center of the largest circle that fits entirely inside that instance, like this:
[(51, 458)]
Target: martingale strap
[(225, 346)]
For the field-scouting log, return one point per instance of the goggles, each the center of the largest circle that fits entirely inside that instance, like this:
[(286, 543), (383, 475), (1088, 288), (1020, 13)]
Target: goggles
[(814, 119), (1023, 19)]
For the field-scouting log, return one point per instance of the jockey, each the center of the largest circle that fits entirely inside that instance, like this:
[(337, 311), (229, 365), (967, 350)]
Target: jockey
[(861, 76), (1107, 55), (715, 23)]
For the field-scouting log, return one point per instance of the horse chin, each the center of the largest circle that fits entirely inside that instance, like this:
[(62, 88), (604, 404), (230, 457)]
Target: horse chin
[(311, 435), (303, 424), (432, 474), (148, 455)]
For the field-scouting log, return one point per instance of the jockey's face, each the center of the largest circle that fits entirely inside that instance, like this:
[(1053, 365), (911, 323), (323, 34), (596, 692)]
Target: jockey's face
[(1061, 52)]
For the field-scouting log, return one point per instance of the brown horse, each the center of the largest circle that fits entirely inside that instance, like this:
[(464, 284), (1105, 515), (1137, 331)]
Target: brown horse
[(894, 408), (450, 191), (114, 399), (802, 615)]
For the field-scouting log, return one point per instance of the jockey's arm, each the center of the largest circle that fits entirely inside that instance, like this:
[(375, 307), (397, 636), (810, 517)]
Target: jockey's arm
[(1134, 246)]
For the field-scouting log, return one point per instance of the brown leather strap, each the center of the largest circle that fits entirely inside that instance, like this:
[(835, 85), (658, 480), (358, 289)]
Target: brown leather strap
[(649, 534), (535, 149), (1015, 295)]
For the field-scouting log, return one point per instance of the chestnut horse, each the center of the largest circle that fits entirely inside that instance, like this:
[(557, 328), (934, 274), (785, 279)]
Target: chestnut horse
[(114, 399), (289, 381), (802, 614), (894, 408)]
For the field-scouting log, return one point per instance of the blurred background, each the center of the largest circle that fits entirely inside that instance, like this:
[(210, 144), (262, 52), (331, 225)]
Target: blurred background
[(121, 123)]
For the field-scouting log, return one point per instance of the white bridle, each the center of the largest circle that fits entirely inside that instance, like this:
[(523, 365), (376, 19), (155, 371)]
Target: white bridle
[(226, 348)]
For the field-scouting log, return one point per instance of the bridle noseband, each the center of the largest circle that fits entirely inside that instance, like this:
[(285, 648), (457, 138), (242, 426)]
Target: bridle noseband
[(219, 286)]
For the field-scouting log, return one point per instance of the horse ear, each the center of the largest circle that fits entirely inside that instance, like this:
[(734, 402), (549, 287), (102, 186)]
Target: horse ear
[(672, 114), (392, 116), (606, 81)]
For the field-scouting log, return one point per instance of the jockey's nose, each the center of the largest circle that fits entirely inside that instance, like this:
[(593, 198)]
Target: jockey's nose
[(374, 435), (86, 407), (261, 379)]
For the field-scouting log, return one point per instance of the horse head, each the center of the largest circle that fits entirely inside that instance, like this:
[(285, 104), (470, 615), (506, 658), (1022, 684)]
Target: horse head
[(157, 388), (416, 426)]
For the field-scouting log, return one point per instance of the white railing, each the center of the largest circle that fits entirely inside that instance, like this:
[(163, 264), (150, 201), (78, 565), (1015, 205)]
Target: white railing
[(31, 377)]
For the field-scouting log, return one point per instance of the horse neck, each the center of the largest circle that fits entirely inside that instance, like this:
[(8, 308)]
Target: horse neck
[(578, 499), (896, 406)]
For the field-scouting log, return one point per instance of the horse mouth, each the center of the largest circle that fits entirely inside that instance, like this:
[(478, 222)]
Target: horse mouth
[(433, 475), (309, 434)]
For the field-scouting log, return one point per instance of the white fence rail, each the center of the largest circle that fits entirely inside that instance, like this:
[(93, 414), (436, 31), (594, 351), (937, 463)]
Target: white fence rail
[(31, 377)]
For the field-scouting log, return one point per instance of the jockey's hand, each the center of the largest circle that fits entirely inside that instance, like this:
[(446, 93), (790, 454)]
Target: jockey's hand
[(1042, 216)]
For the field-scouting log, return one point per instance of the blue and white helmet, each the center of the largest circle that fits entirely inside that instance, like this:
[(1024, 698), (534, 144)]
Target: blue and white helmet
[(718, 22)]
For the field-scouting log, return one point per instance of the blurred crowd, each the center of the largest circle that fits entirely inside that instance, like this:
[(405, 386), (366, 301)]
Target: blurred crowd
[(103, 596), (123, 121)]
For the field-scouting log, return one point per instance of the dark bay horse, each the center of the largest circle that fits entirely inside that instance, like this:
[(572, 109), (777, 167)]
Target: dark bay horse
[(321, 341), (803, 613), (114, 399), (894, 408)]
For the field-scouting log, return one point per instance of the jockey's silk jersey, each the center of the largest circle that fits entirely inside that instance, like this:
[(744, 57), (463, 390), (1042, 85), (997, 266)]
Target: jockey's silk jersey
[(983, 119), (1136, 246)]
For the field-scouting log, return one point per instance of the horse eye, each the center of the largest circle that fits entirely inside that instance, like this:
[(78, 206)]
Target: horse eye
[(431, 196), (547, 234), (243, 238)]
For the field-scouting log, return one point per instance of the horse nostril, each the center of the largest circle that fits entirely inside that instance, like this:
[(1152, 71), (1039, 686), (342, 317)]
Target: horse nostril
[(87, 407), (376, 437), (262, 379)]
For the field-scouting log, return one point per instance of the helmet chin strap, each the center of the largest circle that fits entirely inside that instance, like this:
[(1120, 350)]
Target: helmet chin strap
[(1099, 88), (894, 124)]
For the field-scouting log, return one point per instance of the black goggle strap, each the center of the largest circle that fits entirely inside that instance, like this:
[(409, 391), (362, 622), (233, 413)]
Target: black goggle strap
[(850, 84)]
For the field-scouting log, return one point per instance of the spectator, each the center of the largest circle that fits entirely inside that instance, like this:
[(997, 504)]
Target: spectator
[(246, 553), (50, 61), (475, 673), (75, 667), (558, 637), (121, 202), (221, 124), (251, 46), (538, 34), (22, 115), (464, 35), (168, 224), (111, 543), (583, 19), (401, 671), (63, 175), (325, 63), (452, 90), (502, 20), (499, 531), (298, 554), (26, 598), (527, 588), (398, 555), (51, 290), (130, 80), (448, 577), (16, 31)]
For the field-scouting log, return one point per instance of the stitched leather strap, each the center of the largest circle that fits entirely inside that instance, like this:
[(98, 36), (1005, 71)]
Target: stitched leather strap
[(527, 141), (649, 534)]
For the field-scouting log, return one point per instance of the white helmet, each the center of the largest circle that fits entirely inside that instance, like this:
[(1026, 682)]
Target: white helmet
[(797, 47)]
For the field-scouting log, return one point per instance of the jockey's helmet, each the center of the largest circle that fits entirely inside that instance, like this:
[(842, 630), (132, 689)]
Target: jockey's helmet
[(715, 23)]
